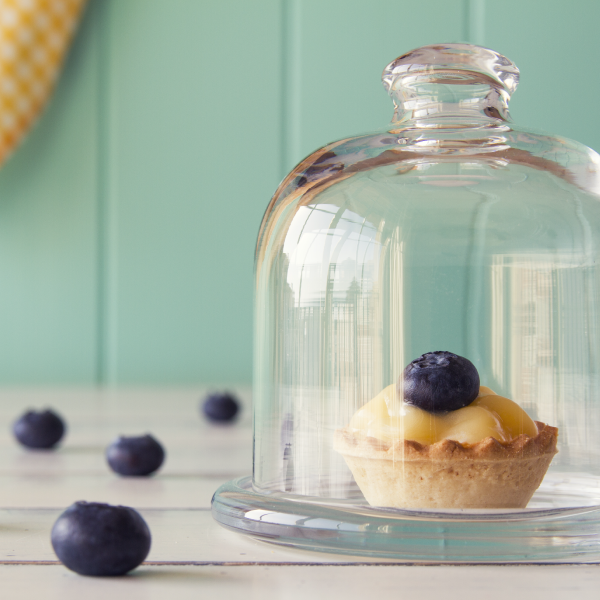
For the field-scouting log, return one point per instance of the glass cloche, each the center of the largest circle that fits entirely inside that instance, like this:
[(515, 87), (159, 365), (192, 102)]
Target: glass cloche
[(427, 334)]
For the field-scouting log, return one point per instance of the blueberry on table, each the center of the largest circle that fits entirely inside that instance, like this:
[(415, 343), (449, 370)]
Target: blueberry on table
[(220, 406), (440, 381), (140, 455), (99, 539), (39, 429)]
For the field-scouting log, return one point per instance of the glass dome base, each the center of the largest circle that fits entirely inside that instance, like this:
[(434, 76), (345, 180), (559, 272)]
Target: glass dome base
[(555, 535)]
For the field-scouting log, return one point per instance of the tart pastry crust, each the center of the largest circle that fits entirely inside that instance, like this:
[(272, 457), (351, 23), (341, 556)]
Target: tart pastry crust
[(447, 474)]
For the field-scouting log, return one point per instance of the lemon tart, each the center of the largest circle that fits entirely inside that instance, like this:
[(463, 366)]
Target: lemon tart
[(487, 454)]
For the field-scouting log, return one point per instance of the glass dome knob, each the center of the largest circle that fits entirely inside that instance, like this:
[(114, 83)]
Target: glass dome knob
[(451, 79)]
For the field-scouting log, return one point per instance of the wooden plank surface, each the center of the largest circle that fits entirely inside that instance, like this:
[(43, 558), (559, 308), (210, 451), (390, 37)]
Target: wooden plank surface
[(191, 555), (264, 582)]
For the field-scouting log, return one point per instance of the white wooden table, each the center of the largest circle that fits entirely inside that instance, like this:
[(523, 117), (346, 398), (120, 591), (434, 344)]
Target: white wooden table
[(192, 556)]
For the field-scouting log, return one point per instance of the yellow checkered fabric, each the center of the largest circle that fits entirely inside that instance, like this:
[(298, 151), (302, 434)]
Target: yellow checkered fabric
[(34, 36)]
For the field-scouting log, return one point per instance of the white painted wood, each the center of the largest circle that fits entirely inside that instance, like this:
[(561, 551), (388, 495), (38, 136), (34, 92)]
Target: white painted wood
[(59, 491), (95, 418), (177, 536), (50, 582), (170, 404), (192, 456), (36, 486)]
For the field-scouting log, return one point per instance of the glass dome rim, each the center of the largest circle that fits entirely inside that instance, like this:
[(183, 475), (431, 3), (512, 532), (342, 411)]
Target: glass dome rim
[(453, 57)]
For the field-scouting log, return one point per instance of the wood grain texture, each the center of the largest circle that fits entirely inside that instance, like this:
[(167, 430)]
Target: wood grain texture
[(297, 581), (191, 555)]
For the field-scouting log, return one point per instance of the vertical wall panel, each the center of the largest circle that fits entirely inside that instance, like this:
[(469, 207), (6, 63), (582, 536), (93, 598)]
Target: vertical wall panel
[(557, 49), (336, 52), (48, 234), (128, 218), (193, 150)]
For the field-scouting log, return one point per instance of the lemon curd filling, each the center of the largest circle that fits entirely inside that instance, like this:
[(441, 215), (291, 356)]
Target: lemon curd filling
[(388, 418)]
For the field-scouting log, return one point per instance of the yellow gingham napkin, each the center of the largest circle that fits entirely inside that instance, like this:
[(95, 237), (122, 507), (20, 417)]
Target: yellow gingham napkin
[(34, 37)]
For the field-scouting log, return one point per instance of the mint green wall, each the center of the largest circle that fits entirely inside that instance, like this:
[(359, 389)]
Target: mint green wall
[(128, 217)]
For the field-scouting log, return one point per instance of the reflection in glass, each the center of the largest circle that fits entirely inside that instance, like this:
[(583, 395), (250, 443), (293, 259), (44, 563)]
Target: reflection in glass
[(450, 230)]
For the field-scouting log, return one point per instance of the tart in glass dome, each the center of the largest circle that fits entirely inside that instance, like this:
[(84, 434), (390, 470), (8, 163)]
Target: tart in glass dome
[(438, 439)]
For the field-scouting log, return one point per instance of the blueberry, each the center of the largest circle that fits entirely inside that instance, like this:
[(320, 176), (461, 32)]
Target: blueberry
[(220, 406), (42, 429), (140, 455), (440, 381), (99, 539)]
